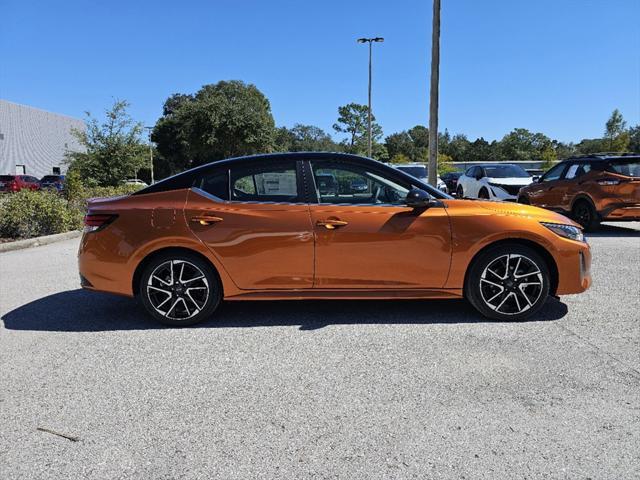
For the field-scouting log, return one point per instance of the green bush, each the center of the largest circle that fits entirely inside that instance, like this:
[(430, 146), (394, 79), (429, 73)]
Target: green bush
[(29, 214)]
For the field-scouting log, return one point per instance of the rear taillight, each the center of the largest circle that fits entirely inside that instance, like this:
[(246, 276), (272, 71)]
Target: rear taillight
[(13, 186), (97, 221), (609, 181)]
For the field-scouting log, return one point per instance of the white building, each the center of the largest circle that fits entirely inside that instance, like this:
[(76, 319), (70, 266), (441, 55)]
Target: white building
[(34, 142)]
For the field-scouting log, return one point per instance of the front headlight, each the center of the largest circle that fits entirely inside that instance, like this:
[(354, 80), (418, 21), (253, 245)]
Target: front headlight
[(566, 231)]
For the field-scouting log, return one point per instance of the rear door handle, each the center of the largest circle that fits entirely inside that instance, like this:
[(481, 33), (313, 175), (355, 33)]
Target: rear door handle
[(331, 224), (205, 219)]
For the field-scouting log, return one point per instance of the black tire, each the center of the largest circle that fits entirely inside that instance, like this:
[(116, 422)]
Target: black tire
[(482, 289), (524, 200), (184, 302), (483, 194), (584, 213), (460, 192)]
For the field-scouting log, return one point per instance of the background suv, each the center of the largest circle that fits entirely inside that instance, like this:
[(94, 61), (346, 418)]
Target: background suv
[(590, 189), (500, 181)]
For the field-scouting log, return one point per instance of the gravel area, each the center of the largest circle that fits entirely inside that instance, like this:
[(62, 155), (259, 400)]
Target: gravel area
[(333, 389)]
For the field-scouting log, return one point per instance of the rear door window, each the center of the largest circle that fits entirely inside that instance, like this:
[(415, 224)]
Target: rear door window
[(215, 183), (577, 170), (629, 167), (272, 182)]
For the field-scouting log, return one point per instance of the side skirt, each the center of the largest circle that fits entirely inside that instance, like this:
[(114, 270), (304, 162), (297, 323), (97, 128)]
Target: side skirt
[(317, 294)]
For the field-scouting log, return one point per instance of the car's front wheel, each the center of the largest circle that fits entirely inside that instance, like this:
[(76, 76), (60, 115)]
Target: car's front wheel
[(508, 282), (179, 289)]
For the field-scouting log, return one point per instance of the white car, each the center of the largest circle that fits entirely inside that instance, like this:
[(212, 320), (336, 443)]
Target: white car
[(419, 170), (501, 181), (135, 181)]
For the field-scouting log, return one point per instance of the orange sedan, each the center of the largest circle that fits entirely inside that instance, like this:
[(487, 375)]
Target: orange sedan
[(323, 226)]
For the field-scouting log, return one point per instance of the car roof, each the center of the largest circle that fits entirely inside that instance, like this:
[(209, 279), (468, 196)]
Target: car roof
[(602, 157), (333, 156), (501, 164)]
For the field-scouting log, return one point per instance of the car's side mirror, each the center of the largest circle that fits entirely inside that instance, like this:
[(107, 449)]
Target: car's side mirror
[(418, 198), (478, 176), (535, 178)]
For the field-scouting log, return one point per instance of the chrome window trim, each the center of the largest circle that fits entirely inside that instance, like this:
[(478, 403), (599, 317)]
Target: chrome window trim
[(210, 196)]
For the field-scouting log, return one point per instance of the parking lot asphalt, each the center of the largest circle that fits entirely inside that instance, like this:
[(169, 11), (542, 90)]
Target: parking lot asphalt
[(333, 389)]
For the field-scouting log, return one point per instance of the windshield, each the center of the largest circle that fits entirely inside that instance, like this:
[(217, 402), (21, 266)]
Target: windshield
[(506, 171), (418, 171), (50, 178), (629, 167)]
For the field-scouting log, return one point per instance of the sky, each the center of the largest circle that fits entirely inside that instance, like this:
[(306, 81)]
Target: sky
[(554, 66)]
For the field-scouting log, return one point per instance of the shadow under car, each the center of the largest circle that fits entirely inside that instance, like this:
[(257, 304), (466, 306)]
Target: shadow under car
[(84, 311)]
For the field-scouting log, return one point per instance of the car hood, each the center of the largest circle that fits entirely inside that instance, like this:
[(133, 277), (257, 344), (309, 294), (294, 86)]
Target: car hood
[(510, 209), (511, 181)]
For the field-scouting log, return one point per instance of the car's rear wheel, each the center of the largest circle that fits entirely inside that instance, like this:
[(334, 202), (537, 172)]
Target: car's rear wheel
[(459, 192), (179, 289), (523, 200), (584, 213), (508, 282)]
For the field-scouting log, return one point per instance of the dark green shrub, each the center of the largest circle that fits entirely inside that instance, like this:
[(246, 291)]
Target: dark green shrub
[(29, 214)]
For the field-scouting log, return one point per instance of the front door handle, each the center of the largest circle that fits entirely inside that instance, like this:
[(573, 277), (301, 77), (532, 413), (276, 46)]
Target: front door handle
[(331, 224), (205, 219)]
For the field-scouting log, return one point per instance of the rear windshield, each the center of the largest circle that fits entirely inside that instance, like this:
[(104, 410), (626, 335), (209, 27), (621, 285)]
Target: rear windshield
[(6, 178), (506, 171), (417, 171), (629, 167)]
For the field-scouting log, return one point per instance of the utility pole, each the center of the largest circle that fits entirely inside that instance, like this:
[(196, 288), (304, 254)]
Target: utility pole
[(369, 41), (433, 99), (150, 154)]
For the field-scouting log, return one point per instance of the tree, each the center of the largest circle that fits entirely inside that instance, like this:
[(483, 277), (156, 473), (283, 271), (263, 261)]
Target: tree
[(400, 158), (615, 134), (420, 138), (113, 150), (549, 157), (456, 147), (352, 121), (399, 144), (304, 138), (634, 139), (226, 119), (521, 144), (480, 151), (591, 145)]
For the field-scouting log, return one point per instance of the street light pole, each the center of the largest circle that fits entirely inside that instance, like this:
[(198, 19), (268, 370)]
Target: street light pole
[(433, 102), (369, 41), (150, 154)]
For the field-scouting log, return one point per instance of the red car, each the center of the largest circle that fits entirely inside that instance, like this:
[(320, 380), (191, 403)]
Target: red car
[(15, 183)]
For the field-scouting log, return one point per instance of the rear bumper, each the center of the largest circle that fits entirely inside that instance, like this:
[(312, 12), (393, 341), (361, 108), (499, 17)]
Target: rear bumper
[(622, 213)]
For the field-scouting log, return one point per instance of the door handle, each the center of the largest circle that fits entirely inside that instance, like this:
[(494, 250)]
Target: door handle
[(331, 224), (205, 219)]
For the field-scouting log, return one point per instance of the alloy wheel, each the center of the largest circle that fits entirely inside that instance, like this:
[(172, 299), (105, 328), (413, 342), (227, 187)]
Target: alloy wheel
[(511, 284), (177, 289)]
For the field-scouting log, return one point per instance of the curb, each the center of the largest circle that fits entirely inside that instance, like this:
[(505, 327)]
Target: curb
[(38, 241)]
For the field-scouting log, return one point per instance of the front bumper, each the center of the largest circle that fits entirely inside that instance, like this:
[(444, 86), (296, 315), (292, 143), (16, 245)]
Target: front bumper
[(574, 268)]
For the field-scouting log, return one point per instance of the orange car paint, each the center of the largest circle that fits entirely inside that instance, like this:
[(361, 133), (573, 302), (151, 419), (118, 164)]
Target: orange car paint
[(289, 252)]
